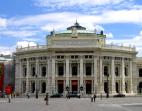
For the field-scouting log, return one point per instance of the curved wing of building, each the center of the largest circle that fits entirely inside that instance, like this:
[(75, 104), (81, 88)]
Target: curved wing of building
[(76, 60)]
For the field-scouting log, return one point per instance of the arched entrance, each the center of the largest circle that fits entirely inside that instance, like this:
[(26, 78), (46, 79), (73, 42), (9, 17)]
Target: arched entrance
[(74, 85), (32, 87), (106, 87), (117, 87), (126, 87), (60, 86), (43, 90), (88, 86), (140, 87)]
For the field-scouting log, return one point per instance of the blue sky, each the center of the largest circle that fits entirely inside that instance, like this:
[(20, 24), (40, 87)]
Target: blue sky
[(29, 21)]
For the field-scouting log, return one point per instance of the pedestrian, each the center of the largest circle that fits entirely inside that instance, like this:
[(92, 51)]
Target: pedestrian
[(101, 96), (67, 95), (28, 95), (94, 97)]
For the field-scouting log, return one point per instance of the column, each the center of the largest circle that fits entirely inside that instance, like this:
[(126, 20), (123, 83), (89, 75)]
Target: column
[(37, 75), (67, 71), (53, 75), (49, 77), (123, 76), (131, 82), (81, 71), (95, 75), (101, 77), (20, 79), (27, 77), (113, 91)]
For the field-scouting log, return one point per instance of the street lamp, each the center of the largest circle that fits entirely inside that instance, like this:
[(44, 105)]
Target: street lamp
[(107, 86)]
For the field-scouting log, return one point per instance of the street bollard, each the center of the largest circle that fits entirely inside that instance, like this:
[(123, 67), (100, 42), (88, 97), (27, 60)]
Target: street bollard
[(46, 98)]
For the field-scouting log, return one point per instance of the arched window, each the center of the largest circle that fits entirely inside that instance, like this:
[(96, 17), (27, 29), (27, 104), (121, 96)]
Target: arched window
[(88, 69), (74, 69), (106, 71), (43, 71), (24, 71), (60, 69), (140, 72), (33, 71), (116, 71), (126, 71)]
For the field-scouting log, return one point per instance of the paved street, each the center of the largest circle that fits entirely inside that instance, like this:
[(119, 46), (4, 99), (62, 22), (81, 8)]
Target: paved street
[(73, 104)]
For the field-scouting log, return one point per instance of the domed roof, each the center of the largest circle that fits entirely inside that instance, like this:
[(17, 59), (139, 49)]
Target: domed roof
[(77, 26)]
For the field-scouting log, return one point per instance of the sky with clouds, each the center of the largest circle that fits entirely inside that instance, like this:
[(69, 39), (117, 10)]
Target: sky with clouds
[(29, 21)]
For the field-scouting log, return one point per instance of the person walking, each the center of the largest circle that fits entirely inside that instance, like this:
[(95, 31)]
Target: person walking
[(28, 95), (94, 97)]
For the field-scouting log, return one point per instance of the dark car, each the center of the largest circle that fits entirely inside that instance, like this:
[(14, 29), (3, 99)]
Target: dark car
[(74, 94), (119, 95), (56, 95)]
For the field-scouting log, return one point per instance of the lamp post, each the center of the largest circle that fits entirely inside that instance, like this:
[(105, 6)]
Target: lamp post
[(107, 86)]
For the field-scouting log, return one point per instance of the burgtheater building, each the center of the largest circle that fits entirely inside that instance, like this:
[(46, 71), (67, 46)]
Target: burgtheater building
[(78, 60)]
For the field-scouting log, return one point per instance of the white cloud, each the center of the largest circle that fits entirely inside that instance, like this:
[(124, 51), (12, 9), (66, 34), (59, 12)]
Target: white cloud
[(135, 41), (109, 35), (69, 3), (57, 21), (17, 33), (3, 22), (25, 44), (7, 50)]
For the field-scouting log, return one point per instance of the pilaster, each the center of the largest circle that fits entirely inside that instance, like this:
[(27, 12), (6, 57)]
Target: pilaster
[(67, 71), (95, 75), (113, 91), (27, 77), (81, 71), (131, 82), (123, 76), (53, 74)]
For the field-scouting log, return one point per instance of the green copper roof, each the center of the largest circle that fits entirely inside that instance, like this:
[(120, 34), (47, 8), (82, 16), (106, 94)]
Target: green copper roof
[(78, 31)]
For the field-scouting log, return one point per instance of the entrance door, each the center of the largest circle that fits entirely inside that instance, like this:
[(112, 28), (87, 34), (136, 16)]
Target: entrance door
[(117, 87), (43, 87), (105, 87), (60, 86), (140, 87), (74, 85), (88, 86)]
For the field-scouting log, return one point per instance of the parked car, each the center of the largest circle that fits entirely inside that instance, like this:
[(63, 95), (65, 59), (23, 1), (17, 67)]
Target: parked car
[(119, 95), (2, 94), (56, 95), (74, 94)]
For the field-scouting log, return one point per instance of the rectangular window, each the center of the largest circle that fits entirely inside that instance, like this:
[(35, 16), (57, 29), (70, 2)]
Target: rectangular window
[(74, 70)]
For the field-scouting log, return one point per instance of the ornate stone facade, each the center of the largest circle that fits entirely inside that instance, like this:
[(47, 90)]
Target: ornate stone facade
[(77, 61)]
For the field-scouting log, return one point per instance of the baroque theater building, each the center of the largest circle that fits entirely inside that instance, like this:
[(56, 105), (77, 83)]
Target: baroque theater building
[(77, 60)]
